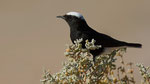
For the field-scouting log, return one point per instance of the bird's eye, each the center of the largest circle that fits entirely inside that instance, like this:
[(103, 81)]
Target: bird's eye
[(69, 18)]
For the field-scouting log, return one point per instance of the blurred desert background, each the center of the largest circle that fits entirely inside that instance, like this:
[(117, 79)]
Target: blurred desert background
[(32, 38)]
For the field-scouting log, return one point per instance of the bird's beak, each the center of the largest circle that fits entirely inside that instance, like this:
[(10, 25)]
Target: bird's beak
[(60, 17)]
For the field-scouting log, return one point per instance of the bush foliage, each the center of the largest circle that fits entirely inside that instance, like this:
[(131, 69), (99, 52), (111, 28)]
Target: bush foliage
[(80, 68)]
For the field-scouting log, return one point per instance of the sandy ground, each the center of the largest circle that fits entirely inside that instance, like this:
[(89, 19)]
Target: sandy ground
[(31, 37)]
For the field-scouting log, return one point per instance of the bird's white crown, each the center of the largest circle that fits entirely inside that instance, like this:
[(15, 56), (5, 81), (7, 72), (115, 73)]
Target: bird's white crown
[(76, 14)]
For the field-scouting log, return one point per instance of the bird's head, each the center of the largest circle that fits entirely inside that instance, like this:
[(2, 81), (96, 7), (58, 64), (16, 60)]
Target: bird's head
[(72, 18)]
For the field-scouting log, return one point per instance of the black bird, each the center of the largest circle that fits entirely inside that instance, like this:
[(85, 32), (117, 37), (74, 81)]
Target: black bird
[(80, 29)]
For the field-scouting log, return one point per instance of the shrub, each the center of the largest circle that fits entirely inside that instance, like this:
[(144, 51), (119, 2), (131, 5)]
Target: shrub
[(80, 68)]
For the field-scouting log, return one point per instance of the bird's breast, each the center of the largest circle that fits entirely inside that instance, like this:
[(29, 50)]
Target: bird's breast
[(75, 35)]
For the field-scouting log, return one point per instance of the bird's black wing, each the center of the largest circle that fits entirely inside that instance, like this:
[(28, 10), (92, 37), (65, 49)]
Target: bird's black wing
[(103, 39)]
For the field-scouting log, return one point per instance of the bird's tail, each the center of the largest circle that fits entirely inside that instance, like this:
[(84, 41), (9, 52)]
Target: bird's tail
[(136, 45)]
